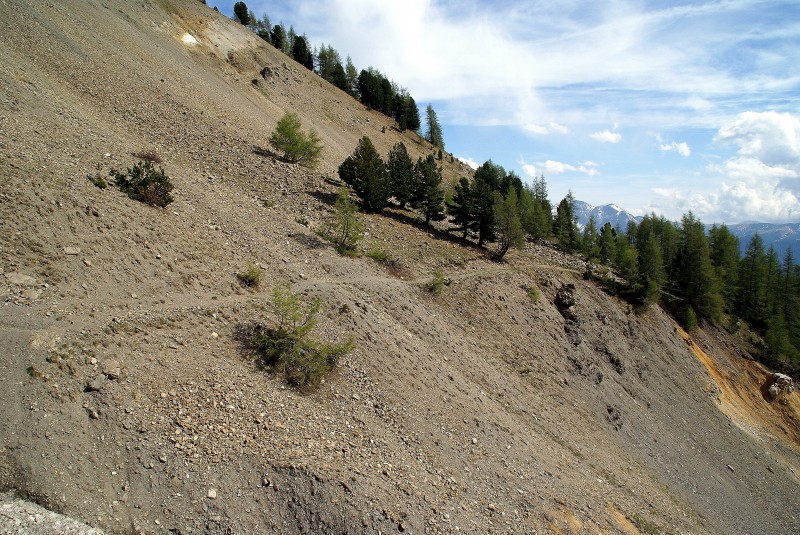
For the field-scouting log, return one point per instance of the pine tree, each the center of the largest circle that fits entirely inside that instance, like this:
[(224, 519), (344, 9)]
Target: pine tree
[(696, 273), (608, 244), (461, 207), (591, 247), (509, 227), (278, 37), (428, 195), (434, 133), (301, 53), (242, 13), (752, 269), (351, 75), (565, 227), (401, 173), (483, 206), (651, 268), (365, 171), (725, 258)]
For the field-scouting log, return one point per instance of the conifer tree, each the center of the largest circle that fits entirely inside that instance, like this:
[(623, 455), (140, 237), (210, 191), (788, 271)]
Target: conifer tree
[(565, 227), (365, 171), (300, 52), (483, 206), (752, 270), (651, 268), (401, 173), (696, 273), (278, 37), (509, 227), (608, 245), (428, 195), (461, 207), (351, 75), (242, 13), (434, 133), (591, 247)]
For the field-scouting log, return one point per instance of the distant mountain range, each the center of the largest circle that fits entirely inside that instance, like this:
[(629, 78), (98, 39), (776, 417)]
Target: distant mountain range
[(782, 236)]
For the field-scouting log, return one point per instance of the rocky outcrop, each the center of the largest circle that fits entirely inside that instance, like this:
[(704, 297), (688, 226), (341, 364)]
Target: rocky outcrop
[(782, 385), (565, 303)]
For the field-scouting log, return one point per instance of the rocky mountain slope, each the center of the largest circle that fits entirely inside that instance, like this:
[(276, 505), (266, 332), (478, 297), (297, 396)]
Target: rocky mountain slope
[(129, 402)]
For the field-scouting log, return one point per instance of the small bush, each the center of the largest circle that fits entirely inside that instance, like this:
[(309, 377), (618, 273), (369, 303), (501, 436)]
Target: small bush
[(144, 183), (534, 293), (286, 347), (98, 180), (345, 226), (296, 146), (251, 276), (437, 283), (377, 254)]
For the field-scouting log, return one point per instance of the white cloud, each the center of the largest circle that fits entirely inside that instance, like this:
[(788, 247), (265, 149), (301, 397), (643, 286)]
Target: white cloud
[(550, 128), (607, 136), (595, 62), (472, 164), (762, 181), (681, 148), (552, 167)]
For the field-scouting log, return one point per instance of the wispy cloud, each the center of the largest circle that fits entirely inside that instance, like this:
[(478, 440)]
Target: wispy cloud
[(607, 136), (681, 148), (552, 167), (550, 128)]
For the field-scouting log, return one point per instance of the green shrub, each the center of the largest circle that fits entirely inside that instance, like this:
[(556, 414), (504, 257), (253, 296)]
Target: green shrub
[(377, 253), (144, 183), (534, 293), (296, 146), (437, 283), (251, 276), (345, 226), (286, 347), (98, 181)]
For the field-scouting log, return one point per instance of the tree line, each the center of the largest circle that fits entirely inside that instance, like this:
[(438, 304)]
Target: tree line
[(698, 275), (370, 86)]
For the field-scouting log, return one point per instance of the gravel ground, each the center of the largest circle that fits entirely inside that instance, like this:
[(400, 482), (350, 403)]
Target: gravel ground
[(128, 400)]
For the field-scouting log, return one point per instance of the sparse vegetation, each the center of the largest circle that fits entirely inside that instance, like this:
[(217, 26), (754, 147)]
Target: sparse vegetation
[(534, 294), (376, 253), (145, 183), (345, 224), (251, 277), (437, 283), (296, 146), (286, 346), (98, 180)]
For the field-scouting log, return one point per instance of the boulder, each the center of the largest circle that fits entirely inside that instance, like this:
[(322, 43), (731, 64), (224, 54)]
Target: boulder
[(782, 385)]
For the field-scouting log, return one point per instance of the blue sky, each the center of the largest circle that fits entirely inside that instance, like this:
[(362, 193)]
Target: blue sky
[(652, 105)]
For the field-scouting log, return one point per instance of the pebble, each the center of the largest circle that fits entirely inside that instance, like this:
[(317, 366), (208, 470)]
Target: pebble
[(212, 494), (72, 251)]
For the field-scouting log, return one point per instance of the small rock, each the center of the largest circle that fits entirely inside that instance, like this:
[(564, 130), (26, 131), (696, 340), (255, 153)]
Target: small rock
[(72, 251), (96, 384), (474, 440), (31, 294), (93, 414), (492, 507), (212, 494), (112, 369), (730, 468), (87, 262), (214, 334), (18, 278)]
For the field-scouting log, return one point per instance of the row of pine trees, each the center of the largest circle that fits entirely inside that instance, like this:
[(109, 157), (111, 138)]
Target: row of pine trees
[(699, 275), (369, 85)]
